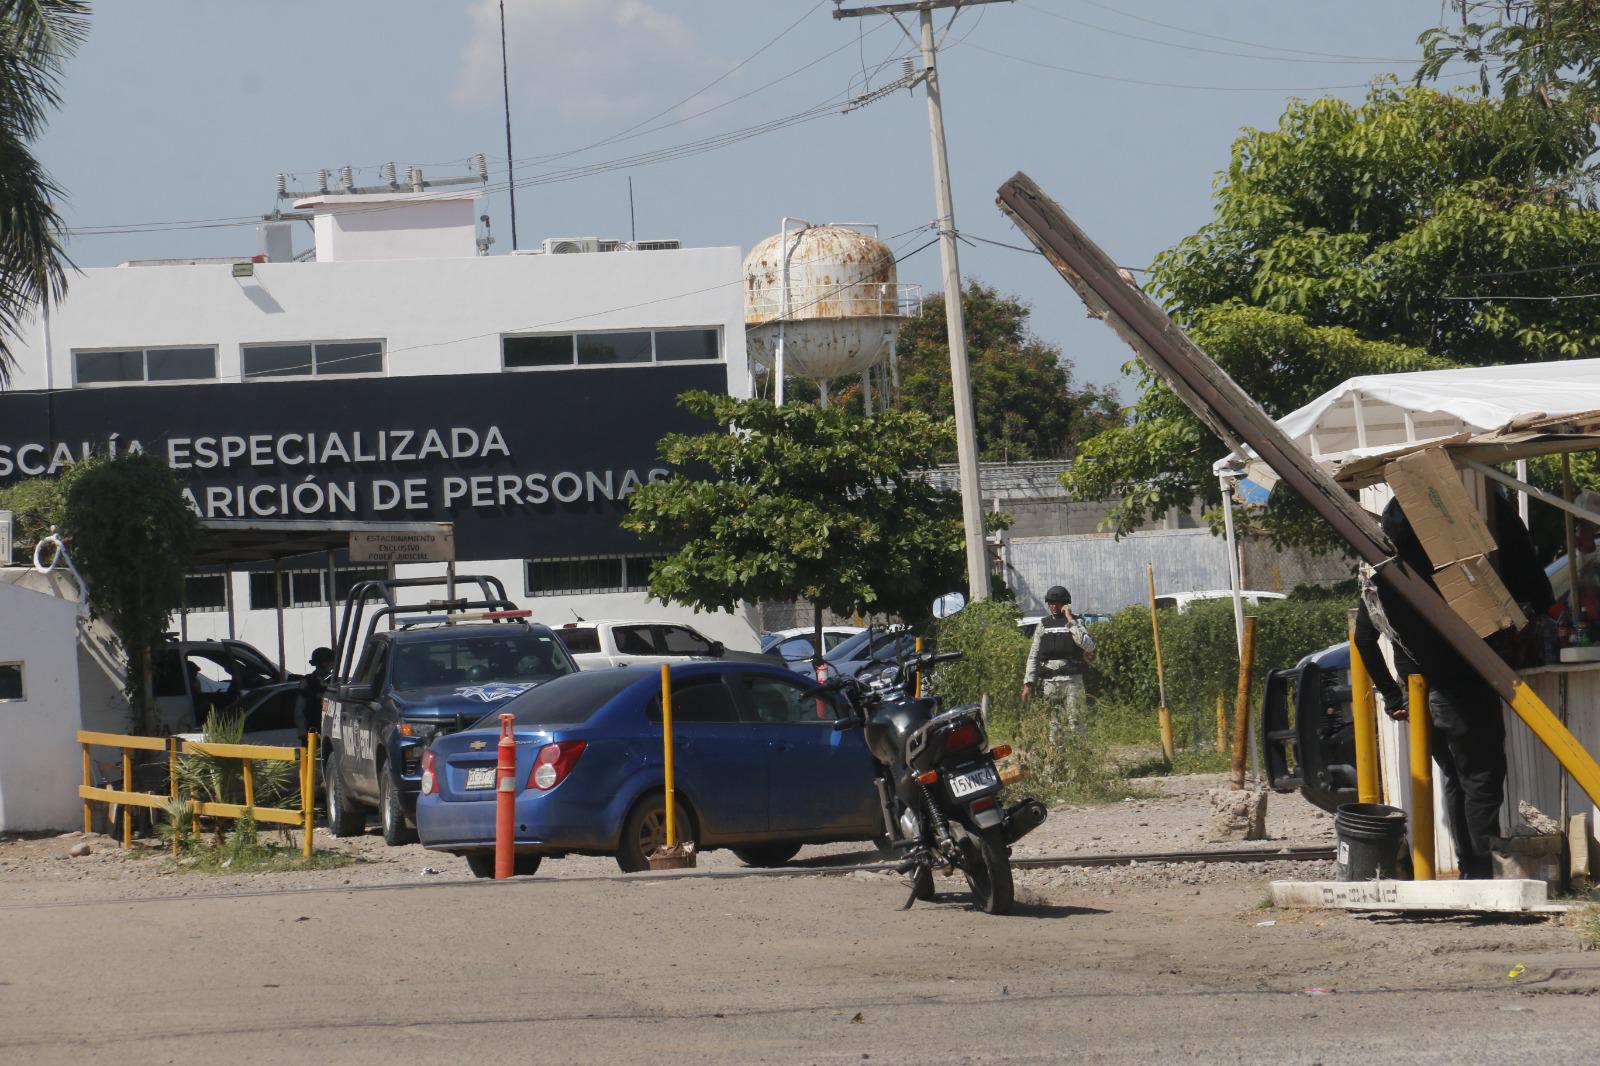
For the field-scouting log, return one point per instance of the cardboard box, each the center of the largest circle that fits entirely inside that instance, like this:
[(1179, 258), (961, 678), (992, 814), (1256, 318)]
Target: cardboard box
[(1456, 539)]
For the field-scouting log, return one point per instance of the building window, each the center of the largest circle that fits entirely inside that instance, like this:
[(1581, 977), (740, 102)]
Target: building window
[(125, 366), (310, 359), (618, 348), (205, 592), (10, 682), (308, 588), (577, 575)]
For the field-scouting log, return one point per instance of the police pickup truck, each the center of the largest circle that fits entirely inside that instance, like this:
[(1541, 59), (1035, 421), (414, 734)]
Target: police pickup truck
[(443, 664)]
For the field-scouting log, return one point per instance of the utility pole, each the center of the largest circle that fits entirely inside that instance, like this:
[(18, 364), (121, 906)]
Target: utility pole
[(960, 377), (511, 166)]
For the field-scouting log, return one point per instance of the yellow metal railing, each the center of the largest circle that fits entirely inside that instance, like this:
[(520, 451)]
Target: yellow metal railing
[(304, 760)]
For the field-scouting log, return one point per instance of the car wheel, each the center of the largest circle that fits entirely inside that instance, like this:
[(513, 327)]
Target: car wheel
[(646, 830), (481, 863), (395, 830), (770, 855), (345, 819)]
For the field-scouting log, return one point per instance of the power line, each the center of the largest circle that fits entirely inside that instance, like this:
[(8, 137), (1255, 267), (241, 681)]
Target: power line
[(1234, 40), (1168, 84), (1525, 299), (1215, 51)]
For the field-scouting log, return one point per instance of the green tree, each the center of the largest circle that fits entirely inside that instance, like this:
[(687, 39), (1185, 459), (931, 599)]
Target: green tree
[(36, 39), (1025, 401), (802, 501), (1548, 49), (133, 539), (1403, 234)]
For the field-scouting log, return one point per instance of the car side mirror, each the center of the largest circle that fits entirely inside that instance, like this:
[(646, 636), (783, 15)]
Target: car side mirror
[(359, 693), (717, 648)]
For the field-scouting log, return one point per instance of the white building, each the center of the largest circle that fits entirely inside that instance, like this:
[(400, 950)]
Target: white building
[(400, 375)]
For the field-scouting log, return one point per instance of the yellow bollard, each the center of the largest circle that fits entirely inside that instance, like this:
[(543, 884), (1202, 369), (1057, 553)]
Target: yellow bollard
[(308, 794), (1222, 727), (1163, 716), (916, 688), (1241, 712), (88, 781), (172, 785), (127, 786), (666, 743), (1364, 715), (1421, 782)]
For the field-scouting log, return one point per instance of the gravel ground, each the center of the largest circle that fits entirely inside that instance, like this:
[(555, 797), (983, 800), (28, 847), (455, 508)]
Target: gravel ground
[(37, 869)]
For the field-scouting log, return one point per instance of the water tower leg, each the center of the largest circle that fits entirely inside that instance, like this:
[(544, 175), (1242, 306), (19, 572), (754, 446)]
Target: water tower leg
[(866, 391), (822, 390)]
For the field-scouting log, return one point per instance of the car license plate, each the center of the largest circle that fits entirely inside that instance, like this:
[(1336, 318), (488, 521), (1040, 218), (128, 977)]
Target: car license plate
[(480, 777), (974, 781)]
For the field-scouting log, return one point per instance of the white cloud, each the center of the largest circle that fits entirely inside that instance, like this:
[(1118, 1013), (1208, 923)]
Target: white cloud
[(589, 60)]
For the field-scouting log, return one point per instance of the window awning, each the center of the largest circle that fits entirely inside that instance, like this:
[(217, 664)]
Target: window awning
[(1490, 414)]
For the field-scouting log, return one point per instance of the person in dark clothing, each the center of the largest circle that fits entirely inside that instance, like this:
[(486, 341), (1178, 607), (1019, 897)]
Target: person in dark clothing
[(308, 709), (1467, 740)]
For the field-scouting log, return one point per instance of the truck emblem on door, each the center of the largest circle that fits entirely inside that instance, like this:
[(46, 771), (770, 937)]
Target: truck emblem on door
[(495, 691)]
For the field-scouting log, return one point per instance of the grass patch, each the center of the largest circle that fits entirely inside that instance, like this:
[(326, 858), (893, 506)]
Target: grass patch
[(1585, 921), (265, 859), (243, 851)]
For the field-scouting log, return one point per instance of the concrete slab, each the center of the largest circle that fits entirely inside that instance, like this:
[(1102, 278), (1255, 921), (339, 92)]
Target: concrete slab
[(1440, 897)]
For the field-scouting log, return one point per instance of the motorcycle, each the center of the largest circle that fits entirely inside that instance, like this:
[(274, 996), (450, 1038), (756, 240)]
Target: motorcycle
[(938, 785)]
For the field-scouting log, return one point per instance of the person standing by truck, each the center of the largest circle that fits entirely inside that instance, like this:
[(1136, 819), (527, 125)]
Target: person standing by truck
[(1061, 649)]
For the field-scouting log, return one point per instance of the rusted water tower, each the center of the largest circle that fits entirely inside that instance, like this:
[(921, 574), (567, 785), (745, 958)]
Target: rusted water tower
[(822, 302)]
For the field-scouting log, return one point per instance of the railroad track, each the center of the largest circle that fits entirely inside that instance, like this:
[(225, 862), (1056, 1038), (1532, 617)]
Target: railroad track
[(1298, 853)]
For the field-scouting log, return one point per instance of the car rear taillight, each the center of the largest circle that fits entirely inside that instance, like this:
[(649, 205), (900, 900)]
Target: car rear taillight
[(965, 735), (430, 783), (554, 763)]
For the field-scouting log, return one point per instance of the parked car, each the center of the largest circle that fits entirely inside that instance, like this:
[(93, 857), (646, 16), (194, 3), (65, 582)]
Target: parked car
[(795, 644), (269, 716), (191, 678), (634, 643), (431, 676), (1308, 728), (1183, 600), (759, 769), (871, 647)]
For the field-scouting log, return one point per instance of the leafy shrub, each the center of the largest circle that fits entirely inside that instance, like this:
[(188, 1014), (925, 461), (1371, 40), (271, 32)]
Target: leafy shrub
[(995, 649), (1200, 657), (36, 503)]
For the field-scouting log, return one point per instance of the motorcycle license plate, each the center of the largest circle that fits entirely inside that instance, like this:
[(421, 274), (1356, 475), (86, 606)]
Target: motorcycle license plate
[(974, 781), (480, 777)]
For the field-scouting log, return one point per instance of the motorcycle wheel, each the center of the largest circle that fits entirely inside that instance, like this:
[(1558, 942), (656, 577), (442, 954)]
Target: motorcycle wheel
[(988, 873)]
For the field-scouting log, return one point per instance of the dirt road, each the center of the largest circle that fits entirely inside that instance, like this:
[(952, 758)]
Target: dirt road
[(791, 969), (120, 959)]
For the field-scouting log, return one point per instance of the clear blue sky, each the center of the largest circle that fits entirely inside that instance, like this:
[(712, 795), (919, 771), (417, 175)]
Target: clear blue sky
[(182, 110)]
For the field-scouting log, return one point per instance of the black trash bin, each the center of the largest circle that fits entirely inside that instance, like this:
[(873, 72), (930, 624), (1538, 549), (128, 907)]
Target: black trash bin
[(1370, 835)]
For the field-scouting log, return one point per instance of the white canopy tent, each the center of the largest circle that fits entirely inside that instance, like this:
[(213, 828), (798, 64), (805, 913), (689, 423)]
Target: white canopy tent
[(1482, 415), (1493, 413)]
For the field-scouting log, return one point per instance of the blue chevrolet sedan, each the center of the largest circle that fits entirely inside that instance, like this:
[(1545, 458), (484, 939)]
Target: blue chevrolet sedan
[(759, 769)]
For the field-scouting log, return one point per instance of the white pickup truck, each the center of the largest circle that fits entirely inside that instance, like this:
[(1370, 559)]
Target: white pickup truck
[(595, 645)]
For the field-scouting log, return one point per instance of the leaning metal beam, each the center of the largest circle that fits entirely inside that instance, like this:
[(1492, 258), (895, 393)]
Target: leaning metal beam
[(1219, 402)]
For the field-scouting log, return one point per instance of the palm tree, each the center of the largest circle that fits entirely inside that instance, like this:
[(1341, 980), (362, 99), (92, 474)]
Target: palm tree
[(36, 39)]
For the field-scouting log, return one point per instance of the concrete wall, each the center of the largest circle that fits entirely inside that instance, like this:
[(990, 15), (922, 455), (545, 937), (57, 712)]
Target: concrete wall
[(40, 764)]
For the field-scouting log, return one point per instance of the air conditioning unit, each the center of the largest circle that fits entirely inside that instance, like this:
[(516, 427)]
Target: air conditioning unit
[(657, 246), (568, 245)]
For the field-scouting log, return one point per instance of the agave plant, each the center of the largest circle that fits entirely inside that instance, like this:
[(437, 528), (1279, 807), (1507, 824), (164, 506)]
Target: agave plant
[(218, 779)]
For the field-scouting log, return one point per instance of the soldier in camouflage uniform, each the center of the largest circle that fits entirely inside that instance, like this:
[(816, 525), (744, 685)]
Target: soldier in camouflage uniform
[(1061, 649)]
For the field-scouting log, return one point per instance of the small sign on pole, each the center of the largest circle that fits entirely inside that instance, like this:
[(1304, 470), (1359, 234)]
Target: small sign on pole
[(435, 545), (7, 536)]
